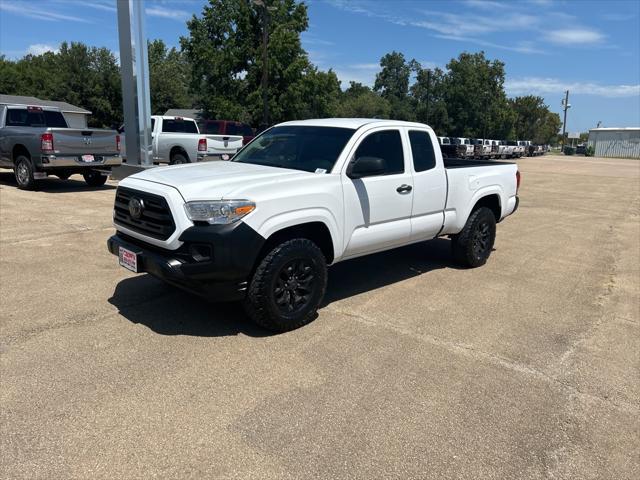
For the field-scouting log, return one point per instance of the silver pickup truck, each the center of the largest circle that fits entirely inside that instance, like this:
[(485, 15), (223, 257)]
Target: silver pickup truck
[(176, 140), (36, 142)]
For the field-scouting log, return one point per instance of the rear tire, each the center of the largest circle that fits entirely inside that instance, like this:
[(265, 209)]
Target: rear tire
[(23, 171), (94, 179), (178, 159), (473, 245), (288, 286)]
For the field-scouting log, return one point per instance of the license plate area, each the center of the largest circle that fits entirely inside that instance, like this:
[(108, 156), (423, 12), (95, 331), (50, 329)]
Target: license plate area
[(128, 259), (88, 158)]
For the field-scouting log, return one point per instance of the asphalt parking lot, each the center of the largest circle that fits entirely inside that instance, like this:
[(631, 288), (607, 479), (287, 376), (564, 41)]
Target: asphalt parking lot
[(526, 368)]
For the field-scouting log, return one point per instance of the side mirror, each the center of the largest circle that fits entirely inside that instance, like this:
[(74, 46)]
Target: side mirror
[(366, 167)]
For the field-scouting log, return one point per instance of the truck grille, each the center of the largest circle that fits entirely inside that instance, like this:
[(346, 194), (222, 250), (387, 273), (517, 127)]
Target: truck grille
[(155, 220)]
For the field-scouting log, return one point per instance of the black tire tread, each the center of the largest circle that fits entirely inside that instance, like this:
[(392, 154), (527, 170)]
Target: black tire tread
[(94, 179), (255, 303), (461, 243)]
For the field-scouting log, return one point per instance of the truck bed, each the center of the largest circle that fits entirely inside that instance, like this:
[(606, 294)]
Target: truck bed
[(461, 163)]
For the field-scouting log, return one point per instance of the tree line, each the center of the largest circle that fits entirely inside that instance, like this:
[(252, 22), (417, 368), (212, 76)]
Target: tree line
[(219, 69)]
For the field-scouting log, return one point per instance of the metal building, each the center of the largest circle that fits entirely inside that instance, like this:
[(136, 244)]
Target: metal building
[(615, 142)]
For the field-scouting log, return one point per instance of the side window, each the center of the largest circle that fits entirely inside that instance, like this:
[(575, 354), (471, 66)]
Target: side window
[(190, 126), (424, 157), (386, 145), (16, 118)]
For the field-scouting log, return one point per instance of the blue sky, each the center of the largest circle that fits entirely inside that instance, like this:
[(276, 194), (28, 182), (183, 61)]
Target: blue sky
[(590, 47)]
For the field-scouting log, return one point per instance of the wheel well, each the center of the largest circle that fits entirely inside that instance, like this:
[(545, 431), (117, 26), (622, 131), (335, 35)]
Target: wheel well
[(19, 150), (175, 150), (492, 202), (317, 232)]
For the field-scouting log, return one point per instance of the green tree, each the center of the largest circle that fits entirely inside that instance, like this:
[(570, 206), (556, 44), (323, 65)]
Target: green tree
[(475, 98), (169, 78), (10, 80), (361, 102), (320, 94), (224, 48), (392, 82), (428, 98), (533, 120)]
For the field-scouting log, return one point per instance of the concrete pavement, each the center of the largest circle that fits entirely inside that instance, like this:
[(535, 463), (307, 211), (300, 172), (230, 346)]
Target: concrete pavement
[(525, 368)]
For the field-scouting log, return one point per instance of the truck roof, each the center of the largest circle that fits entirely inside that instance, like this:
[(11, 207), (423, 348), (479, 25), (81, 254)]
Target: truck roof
[(354, 123), (37, 107), (172, 117)]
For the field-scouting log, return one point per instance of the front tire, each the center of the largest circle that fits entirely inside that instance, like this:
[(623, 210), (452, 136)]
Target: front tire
[(288, 286), (23, 171), (94, 179), (473, 245)]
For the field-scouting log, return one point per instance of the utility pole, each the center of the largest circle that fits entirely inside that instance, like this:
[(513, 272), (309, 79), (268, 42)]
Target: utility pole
[(265, 62), (565, 107), (428, 88)]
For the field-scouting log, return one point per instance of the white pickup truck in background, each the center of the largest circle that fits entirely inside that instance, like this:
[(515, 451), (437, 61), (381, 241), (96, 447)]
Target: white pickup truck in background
[(263, 227), (176, 140)]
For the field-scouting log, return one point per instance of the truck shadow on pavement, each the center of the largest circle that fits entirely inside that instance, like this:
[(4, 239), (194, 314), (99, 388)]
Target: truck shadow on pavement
[(55, 185), (169, 311)]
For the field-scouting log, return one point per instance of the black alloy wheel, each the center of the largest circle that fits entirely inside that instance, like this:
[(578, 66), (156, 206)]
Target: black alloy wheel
[(294, 286)]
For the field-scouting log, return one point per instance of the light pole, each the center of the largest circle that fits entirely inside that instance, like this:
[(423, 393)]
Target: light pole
[(565, 106)]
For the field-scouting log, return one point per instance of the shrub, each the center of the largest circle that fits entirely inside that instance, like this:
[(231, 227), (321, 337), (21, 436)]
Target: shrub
[(590, 151)]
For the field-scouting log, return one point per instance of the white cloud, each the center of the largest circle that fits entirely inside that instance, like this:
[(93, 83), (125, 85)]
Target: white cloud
[(541, 86), (521, 47), (366, 66), (170, 13), (575, 36), (430, 65), (39, 13), (40, 48), (364, 73)]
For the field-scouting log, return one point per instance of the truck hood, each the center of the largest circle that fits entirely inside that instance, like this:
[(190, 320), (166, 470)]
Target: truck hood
[(217, 180)]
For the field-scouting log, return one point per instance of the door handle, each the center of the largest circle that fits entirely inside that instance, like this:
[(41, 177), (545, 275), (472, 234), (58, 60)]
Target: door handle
[(404, 188)]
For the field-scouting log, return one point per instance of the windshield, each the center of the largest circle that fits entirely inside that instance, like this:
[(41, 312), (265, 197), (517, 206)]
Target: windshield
[(297, 147)]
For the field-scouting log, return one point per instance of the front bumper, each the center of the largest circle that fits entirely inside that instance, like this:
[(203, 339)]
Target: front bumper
[(214, 261), (75, 161)]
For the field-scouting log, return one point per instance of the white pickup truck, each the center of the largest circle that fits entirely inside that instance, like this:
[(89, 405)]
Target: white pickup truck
[(263, 227), (176, 140)]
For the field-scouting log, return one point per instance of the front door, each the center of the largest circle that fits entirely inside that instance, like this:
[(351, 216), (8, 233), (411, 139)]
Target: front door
[(378, 207)]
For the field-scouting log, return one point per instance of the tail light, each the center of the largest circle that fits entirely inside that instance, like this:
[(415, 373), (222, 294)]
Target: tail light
[(46, 142), (118, 142), (517, 180), (202, 145)]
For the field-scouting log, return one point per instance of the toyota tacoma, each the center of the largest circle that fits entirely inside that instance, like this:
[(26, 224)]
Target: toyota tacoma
[(263, 227)]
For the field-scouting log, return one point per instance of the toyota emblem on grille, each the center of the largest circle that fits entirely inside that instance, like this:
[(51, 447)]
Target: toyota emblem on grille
[(136, 207)]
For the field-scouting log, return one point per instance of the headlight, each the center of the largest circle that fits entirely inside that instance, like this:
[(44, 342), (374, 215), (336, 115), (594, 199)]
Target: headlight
[(218, 212)]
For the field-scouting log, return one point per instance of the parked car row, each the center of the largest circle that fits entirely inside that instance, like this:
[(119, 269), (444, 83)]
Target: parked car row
[(37, 142), (483, 148)]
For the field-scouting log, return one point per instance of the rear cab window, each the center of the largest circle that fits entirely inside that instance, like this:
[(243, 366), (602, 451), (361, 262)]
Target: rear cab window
[(179, 125), (26, 117), (424, 157)]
